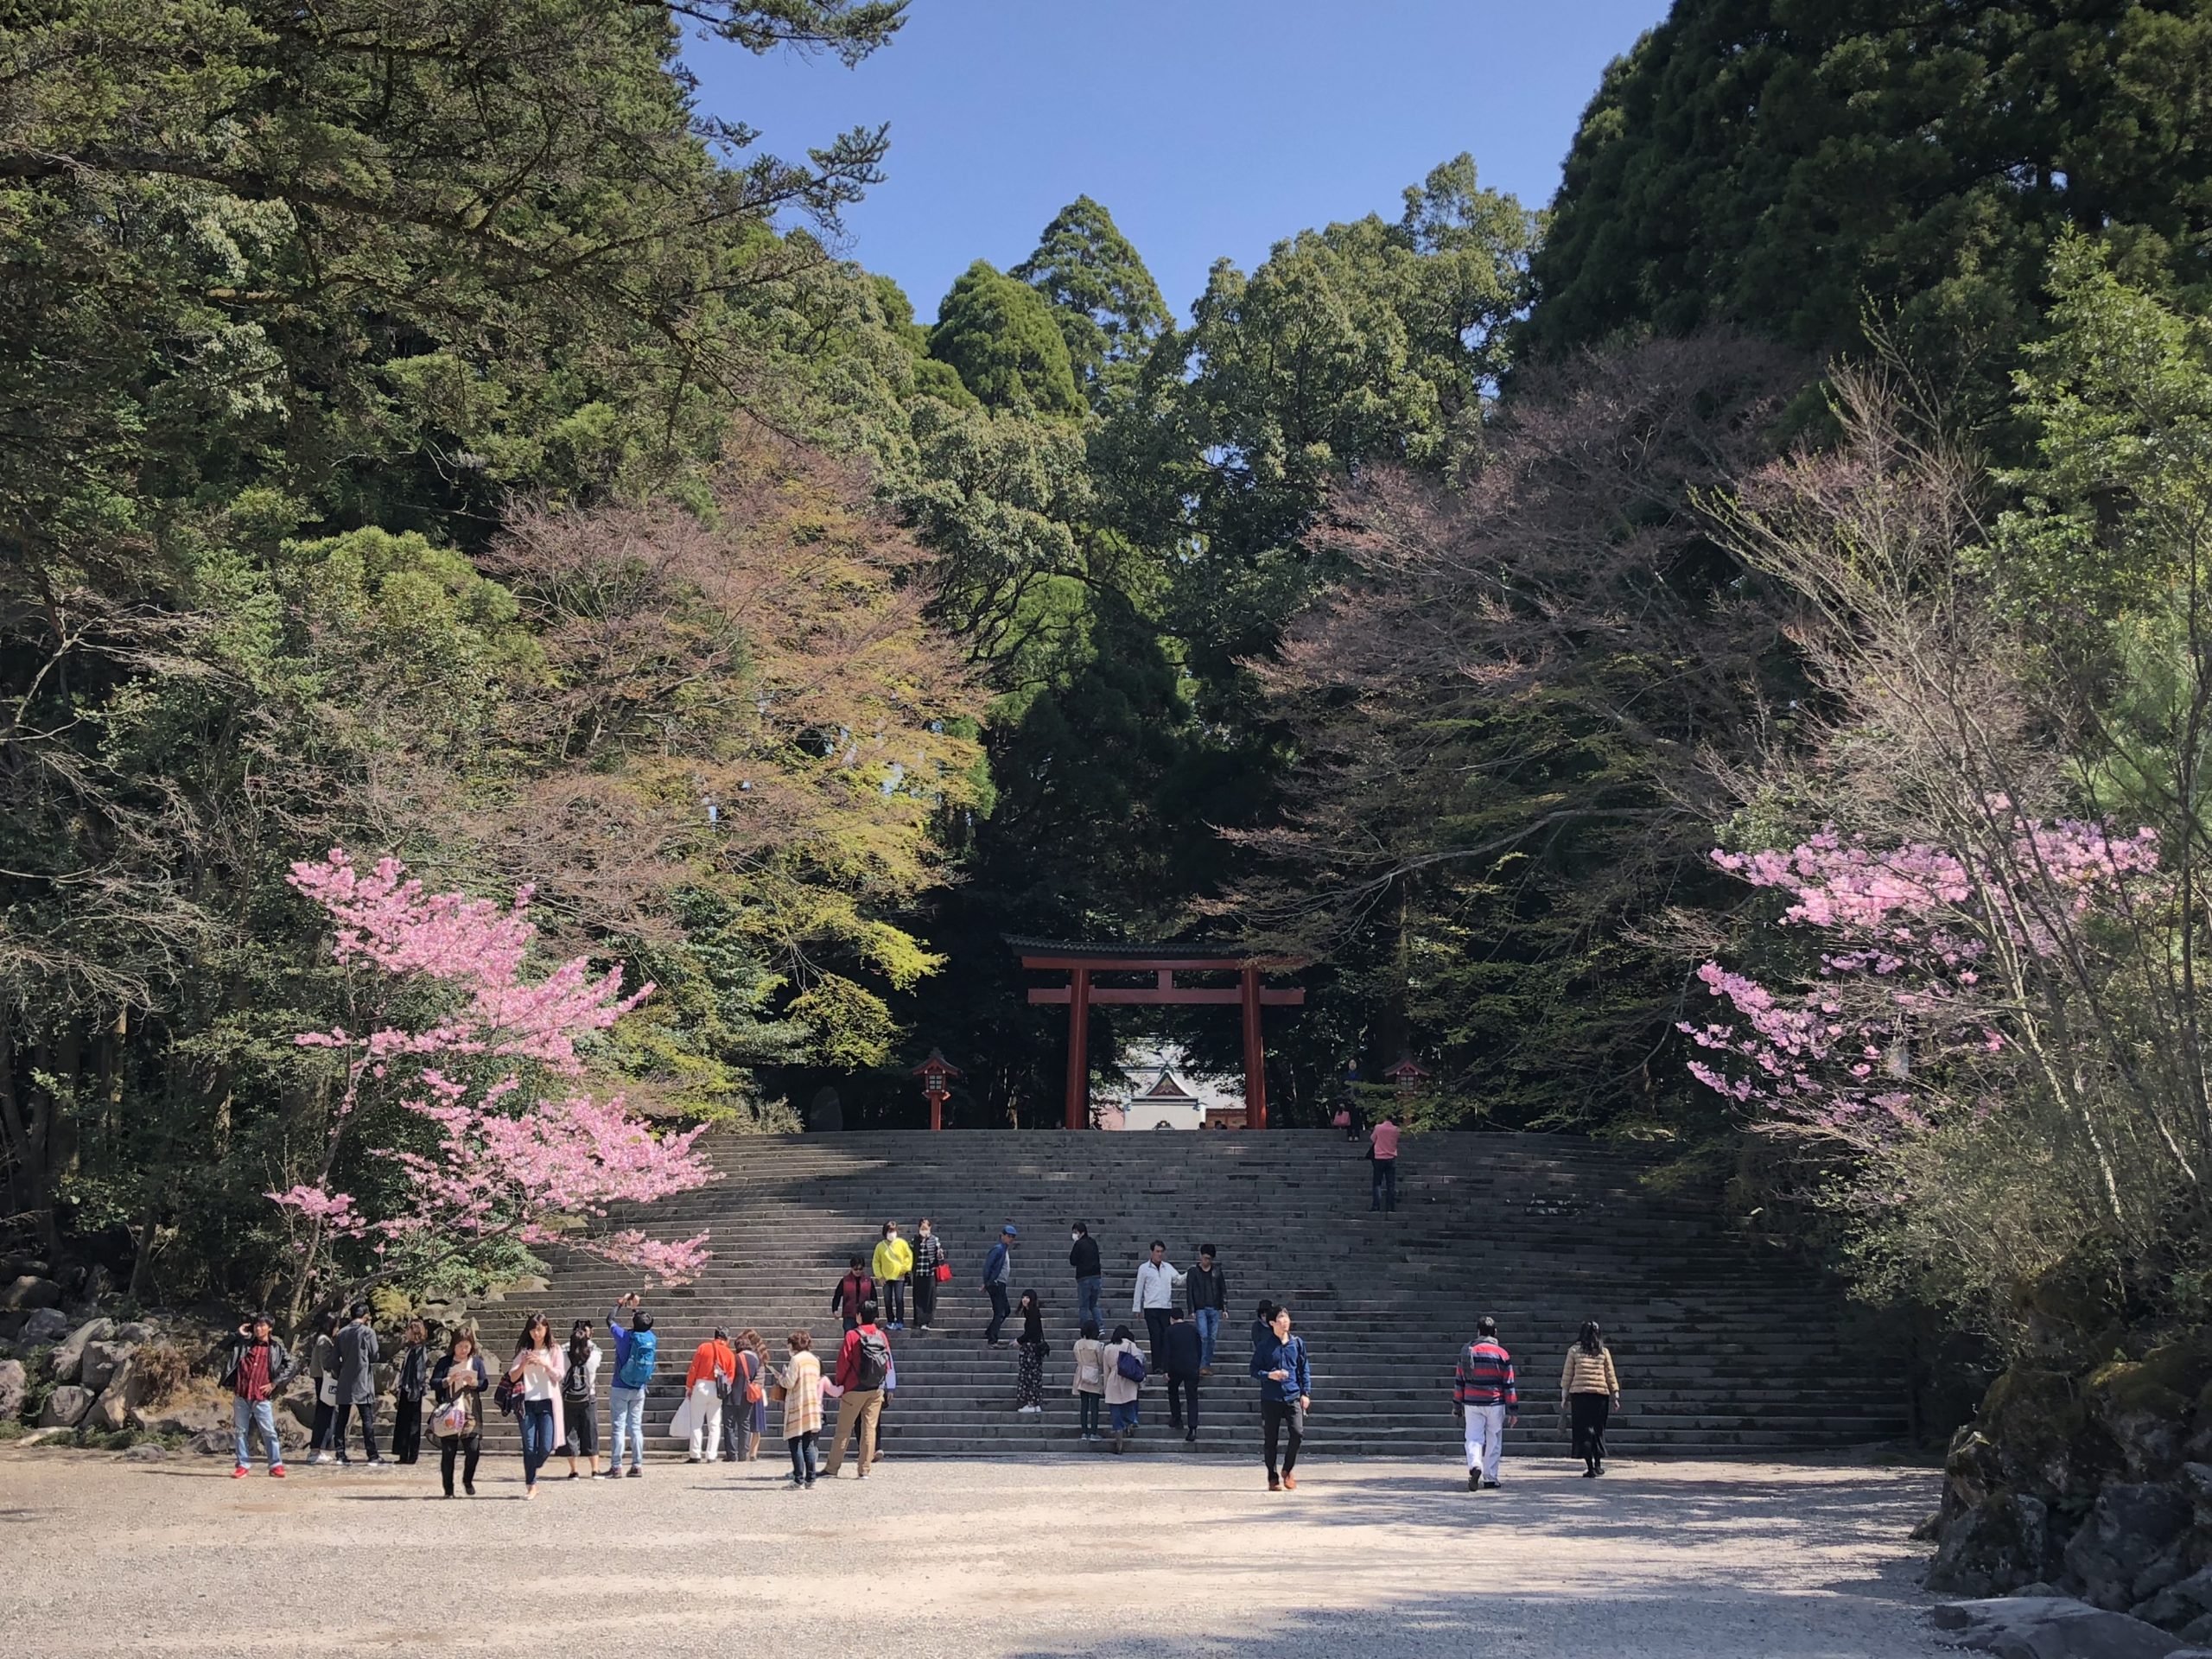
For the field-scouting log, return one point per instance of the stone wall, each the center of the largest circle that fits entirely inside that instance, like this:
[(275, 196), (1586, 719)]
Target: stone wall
[(2095, 1485)]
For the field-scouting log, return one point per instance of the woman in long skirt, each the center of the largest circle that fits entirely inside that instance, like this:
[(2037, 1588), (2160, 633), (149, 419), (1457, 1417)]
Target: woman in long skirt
[(1029, 1378), (1589, 1392)]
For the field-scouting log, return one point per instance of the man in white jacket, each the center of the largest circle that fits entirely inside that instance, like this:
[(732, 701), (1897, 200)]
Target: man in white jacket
[(1157, 1282)]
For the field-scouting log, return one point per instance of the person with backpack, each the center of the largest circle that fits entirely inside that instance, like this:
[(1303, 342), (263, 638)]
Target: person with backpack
[(745, 1414), (1089, 1386), (457, 1385), (853, 1289), (1206, 1293), (1029, 1366), (534, 1378), (410, 1381), (1589, 1394), (1286, 1379), (258, 1367), (580, 1401), (893, 1262), (863, 1366), (998, 1274), (1090, 1275), (1183, 1349), (928, 1257), (798, 1385), (1125, 1376), (706, 1384), (356, 1343), (1482, 1388), (635, 1350)]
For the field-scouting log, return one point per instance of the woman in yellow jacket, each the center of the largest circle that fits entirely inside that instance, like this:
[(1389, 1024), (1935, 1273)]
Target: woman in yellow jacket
[(895, 1263), (1589, 1392)]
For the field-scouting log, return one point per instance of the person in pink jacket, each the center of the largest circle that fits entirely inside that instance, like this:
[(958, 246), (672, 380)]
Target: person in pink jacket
[(535, 1371)]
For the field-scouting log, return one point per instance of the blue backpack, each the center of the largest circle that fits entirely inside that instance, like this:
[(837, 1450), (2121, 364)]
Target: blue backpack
[(637, 1368)]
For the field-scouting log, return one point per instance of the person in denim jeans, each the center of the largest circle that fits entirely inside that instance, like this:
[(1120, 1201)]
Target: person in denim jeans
[(1090, 1278), (258, 1367), (1207, 1290), (635, 1346), (536, 1371)]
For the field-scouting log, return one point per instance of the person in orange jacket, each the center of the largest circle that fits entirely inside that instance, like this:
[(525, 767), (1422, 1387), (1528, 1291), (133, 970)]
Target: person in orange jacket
[(714, 1367)]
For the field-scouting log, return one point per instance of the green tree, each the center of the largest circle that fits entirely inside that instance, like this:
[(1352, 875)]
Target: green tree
[(296, 303), (1106, 302), (999, 334), (1779, 165)]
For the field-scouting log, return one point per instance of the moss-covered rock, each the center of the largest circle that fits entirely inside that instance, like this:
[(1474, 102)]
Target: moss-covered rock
[(2047, 1444), (1996, 1547), (2146, 1407)]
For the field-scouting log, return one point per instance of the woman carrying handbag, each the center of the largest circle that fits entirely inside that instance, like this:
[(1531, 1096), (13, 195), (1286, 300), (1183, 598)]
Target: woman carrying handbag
[(457, 1423), (931, 1269)]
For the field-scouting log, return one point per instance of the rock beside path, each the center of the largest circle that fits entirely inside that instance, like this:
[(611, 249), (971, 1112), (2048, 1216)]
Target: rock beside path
[(2049, 1627), (12, 1383), (44, 1324), (65, 1408), (29, 1290), (67, 1358)]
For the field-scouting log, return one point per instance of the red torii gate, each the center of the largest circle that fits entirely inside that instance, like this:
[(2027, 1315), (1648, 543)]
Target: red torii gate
[(1163, 962)]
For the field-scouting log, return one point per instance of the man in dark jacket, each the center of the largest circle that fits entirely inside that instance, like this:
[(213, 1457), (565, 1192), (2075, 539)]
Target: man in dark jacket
[(998, 1274), (1089, 1277), (1207, 1292), (258, 1367), (357, 1384), (853, 1289), (1182, 1352)]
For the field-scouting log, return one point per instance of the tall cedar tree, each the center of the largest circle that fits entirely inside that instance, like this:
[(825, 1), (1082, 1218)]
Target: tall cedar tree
[(1785, 165)]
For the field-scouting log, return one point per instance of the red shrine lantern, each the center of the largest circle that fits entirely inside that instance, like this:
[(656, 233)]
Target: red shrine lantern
[(937, 1074)]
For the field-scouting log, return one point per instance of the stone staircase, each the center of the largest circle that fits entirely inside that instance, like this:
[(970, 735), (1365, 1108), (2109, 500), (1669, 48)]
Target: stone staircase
[(1722, 1352)]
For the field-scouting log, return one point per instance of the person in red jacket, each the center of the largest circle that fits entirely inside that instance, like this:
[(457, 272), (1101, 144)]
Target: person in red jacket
[(1484, 1388), (863, 1367), (853, 1289)]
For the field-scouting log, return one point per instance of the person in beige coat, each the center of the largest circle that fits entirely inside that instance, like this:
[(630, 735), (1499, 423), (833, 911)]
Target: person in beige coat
[(798, 1385), (1122, 1392), (1589, 1392)]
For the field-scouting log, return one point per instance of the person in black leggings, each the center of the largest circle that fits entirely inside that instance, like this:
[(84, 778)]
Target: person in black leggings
[(460, 1377)]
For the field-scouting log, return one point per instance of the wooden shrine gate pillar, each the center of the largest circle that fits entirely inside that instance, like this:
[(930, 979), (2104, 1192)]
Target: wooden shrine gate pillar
[(1256, 1053), (1080, 962), (1079, 1048)]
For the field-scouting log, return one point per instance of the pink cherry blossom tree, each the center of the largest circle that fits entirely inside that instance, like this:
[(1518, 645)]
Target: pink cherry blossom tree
[(1920, 998), (492, 1153)]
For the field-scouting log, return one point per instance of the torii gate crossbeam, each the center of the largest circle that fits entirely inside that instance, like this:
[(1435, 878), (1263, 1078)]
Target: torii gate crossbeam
[(1082, 963)]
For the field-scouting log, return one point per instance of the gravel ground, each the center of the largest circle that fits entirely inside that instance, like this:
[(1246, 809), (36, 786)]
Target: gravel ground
[(1128, 1558)]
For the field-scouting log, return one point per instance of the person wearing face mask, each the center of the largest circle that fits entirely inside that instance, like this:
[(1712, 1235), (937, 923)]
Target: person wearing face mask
[(1089, 1277), (928, 1256)]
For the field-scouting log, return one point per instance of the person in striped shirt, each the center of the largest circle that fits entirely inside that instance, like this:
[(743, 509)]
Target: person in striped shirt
[(1483, 1387)]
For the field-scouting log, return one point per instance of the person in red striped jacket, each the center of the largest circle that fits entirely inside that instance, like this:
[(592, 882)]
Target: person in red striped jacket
[(1483, 1387)]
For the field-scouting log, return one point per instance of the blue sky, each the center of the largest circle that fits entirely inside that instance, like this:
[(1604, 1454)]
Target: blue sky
[(1207, 127)]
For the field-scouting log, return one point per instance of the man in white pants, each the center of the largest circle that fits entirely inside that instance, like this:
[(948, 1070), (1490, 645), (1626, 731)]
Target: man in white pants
[(1484, 1388)]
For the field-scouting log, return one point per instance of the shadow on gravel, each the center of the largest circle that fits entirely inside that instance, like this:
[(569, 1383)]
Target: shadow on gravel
[(1807, 1512)]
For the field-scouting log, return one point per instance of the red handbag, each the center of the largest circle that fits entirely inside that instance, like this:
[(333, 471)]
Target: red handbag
[(945, 1273)]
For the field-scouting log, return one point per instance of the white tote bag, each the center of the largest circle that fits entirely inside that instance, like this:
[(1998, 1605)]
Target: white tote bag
[(679, 1427)]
